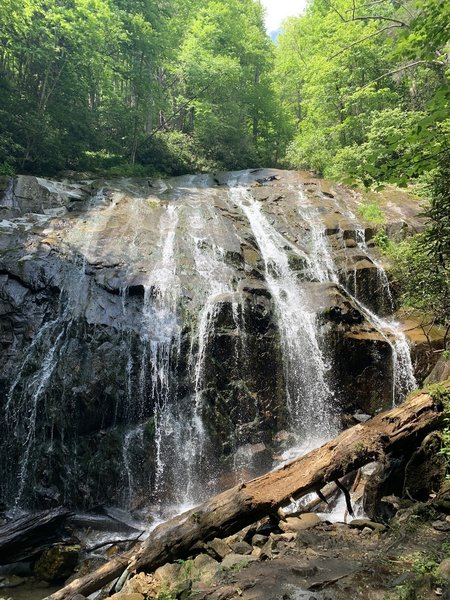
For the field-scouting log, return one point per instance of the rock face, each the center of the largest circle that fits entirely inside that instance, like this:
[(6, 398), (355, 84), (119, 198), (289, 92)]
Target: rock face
[(156, 335)]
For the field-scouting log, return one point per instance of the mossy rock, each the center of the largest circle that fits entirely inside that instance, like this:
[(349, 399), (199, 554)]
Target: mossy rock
[(57, 563)]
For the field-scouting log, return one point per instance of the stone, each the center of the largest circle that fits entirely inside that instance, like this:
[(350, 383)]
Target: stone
[(141, 583), (183, 590), (306, 539), (304, 521), (57, 563), (218, 548), (233, 560), (441, 525), (367, 524), (204, 568), (168, 573), (127, 596), (305, 569), (259, 540), (241, 548), (440, 372), (443, 570)]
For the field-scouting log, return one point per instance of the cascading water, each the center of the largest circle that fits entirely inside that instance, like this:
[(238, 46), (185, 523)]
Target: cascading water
[(309, 396), (187, 331), (325, 269)]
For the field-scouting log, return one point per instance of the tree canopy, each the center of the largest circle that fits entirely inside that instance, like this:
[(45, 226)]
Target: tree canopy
[(174, 85)]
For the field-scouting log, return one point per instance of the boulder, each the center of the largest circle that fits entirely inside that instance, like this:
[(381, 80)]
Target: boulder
[(236, 560), (304, 521), (241, 548), (218, 548), (443, 570), (57, 563)]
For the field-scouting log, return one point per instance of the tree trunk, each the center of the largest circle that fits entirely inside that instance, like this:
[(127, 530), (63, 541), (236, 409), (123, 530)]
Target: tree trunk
[(30, 535), (400, 429)]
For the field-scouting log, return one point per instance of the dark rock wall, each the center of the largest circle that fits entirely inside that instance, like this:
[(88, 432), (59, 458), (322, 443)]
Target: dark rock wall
[(71, 377)]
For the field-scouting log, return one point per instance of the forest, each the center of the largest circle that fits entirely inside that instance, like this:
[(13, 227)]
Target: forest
[(224, 280)]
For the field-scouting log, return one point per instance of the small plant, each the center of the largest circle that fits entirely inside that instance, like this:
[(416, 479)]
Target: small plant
[(371, 212), (382, 240), (166, 594), (238, 566), (445, 549), (6, 169)]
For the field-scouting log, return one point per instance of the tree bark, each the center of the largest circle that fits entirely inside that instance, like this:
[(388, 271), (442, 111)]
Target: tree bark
[(30, 535), (400, 429)]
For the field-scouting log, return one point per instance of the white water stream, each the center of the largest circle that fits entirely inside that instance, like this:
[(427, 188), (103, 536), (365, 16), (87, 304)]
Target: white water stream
[(309, 397)]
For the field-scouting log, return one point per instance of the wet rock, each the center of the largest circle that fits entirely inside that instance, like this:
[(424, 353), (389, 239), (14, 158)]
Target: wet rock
[(11, 581), (57, 563), (361, 417), (386, 480), (93, 269), (256, 456)]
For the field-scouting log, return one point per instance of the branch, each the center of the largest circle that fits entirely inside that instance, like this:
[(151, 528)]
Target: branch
[(367, 18), (363, 40), (172, 116), (413, 64), (379, 18)]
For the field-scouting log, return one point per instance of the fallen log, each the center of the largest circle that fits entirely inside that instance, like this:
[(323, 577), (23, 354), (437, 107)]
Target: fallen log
[(401, 428), (30, 535)]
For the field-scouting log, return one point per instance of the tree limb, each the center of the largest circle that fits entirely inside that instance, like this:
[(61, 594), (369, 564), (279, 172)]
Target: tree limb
[(367, 37), (403, 68)]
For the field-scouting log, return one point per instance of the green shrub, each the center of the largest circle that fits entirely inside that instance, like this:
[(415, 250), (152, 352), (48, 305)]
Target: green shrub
[(371, 212)]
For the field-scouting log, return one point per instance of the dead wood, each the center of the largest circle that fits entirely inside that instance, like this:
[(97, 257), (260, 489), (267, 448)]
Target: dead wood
[(30, 535), (400, 429)]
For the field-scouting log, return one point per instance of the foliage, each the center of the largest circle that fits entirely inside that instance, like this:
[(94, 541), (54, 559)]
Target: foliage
[(371, 212), (95, 84), (424, 285)]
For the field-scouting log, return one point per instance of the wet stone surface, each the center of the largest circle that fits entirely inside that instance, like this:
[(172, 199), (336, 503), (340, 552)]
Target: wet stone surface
[(150, 334)]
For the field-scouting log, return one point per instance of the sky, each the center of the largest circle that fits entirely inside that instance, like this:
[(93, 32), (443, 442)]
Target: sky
[(277, 10)]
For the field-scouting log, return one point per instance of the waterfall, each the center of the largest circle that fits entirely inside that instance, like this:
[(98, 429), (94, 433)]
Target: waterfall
[(309, 397), (320, 265), (175, 330), (323, 268)]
